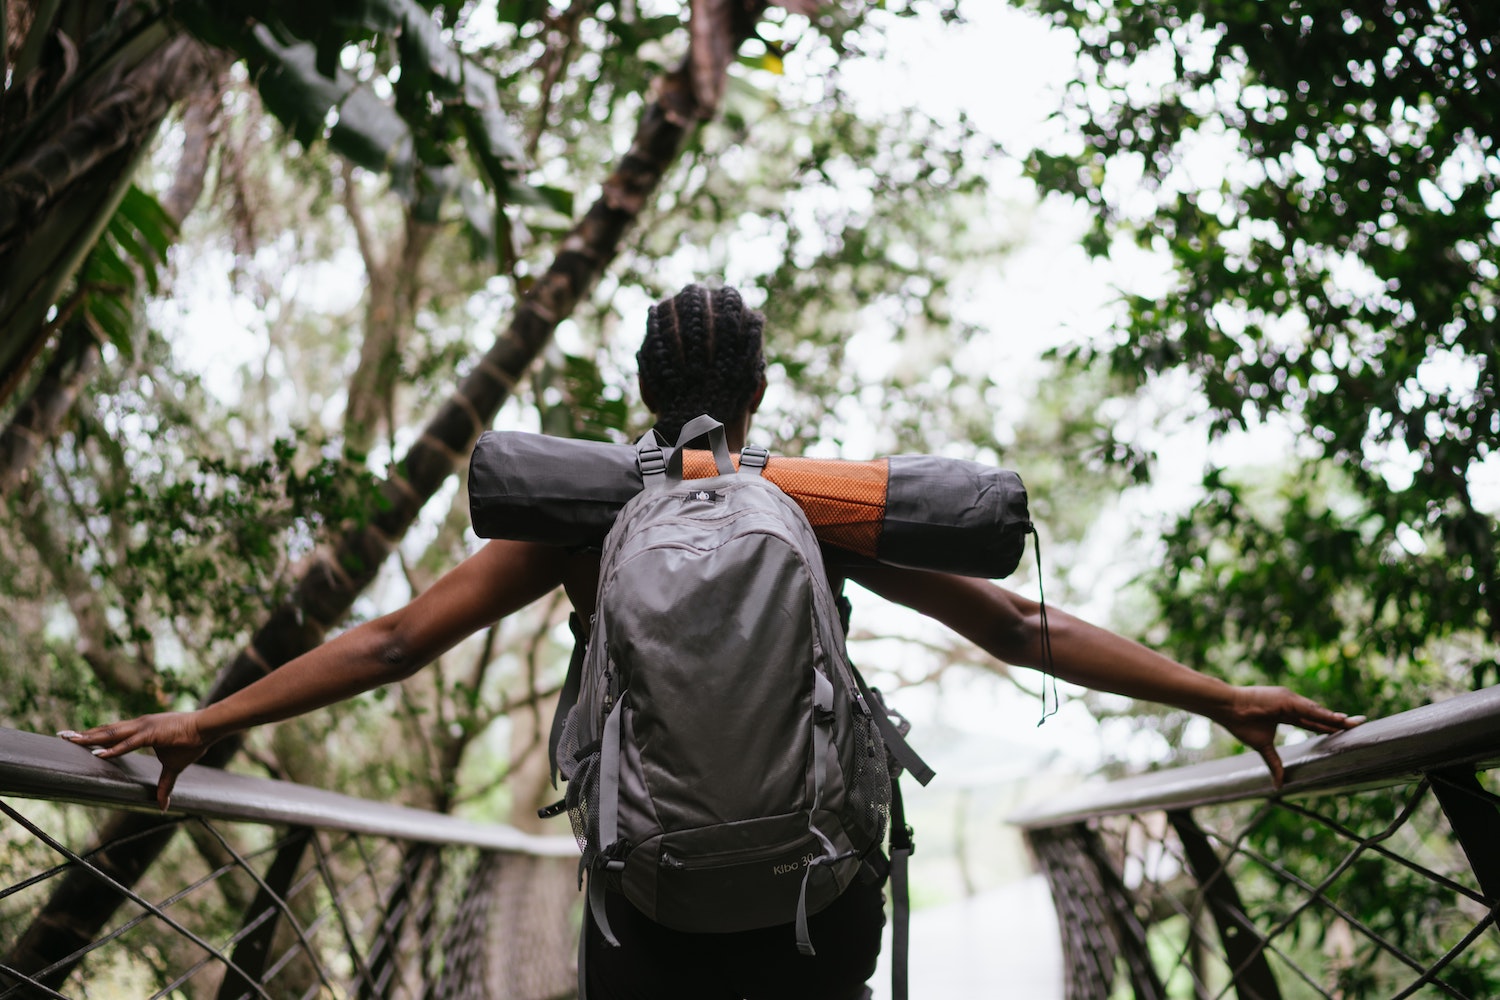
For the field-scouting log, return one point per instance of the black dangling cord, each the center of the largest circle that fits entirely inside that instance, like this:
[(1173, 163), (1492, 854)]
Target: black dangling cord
[(1051, 676)]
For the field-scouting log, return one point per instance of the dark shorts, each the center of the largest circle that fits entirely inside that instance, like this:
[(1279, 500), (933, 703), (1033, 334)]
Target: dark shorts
[(656, 963)]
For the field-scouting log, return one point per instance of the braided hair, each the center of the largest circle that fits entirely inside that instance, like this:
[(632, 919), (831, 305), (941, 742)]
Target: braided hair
[(702, 354)]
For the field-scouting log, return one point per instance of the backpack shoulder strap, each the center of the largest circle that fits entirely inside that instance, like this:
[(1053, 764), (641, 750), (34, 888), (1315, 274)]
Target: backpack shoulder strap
[(901, 851)]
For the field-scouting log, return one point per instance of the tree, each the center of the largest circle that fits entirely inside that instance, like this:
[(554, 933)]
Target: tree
[(1321, 179), (90, 84)]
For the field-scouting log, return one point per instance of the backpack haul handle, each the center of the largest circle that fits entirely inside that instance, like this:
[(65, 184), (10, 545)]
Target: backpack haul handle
[(670, 474)]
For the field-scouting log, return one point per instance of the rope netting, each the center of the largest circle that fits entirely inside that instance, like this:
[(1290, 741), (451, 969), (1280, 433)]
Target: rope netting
[(244, 910), (1387, 892)]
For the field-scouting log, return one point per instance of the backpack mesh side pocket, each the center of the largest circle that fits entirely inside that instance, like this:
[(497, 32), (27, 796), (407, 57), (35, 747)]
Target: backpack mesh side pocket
[(581, 769), (583, 803), (869, 789)]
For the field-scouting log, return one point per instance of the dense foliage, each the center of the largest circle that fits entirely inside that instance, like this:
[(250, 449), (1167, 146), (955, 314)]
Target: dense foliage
[(1320, 179)]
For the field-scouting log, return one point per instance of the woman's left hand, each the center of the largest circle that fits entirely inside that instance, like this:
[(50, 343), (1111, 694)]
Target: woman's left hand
[(174, 736), (1255, 712)]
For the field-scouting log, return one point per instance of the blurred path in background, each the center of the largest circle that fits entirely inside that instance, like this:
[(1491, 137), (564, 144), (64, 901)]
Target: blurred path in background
[(1001, 944)]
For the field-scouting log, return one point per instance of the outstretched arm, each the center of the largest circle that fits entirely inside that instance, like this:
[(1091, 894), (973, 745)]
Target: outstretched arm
[(1009, 627), (499, 579)]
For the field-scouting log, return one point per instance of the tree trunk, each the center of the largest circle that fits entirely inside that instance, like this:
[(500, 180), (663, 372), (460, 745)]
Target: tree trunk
[(56, 198), (335, 578), (38, 419), (76, 356)]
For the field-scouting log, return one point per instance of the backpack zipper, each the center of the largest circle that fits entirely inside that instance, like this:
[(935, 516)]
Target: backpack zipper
[(671, 861)]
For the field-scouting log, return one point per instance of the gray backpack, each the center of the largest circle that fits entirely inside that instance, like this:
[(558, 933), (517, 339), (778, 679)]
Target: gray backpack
[(727, 767)]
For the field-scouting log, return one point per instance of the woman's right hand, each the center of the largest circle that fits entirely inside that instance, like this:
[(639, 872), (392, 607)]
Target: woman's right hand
[(175, 736)]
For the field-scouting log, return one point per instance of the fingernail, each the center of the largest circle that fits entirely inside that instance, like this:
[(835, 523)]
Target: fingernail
[(97, 751), (68, 734), (1356, 718)]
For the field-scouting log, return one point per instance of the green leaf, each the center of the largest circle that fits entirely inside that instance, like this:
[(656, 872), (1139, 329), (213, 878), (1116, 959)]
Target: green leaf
[(371, 134), (292, 87), (435, 185), (490, 135), (540, 196), (105, 266), (478, 208), (768, 61), (520, 11), (366, 129), (113, 317), (428, 61), (145, 213)]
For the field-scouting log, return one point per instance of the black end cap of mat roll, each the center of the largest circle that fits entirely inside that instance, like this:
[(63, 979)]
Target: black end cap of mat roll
[(954, 516), (539, 488)]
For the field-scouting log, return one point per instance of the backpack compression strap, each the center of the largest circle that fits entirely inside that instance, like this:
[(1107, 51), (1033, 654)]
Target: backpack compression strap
[(822, 747), (609, 821), (568, 697)]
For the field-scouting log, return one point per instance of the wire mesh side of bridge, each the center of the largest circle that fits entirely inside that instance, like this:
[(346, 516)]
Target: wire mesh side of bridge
[(1375, 873), (253, 888)]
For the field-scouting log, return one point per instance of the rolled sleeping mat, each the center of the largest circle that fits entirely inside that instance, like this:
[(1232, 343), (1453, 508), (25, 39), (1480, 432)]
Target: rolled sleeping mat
[(919, 511)]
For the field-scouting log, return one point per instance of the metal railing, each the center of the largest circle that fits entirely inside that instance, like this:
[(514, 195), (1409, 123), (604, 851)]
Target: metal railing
[(1374, 872), (271, 889)]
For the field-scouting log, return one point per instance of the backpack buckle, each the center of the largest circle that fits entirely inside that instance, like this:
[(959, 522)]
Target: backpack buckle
[(753, 459), (612, 857), (653, 462)]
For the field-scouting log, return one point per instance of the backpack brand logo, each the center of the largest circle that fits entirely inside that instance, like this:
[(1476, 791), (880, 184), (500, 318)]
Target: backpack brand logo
[(795, 866), (711, 496)]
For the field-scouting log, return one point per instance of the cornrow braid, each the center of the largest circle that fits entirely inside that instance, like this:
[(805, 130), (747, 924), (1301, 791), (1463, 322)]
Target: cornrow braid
[(702, 354)]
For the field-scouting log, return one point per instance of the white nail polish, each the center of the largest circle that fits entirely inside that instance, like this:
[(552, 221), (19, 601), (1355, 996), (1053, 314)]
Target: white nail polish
[(68, 734), (97, 751)]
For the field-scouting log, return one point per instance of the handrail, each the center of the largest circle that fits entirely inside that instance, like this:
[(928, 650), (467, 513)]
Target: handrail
[(1463, 730), (1371, 872), (45, 767), (277, 889)]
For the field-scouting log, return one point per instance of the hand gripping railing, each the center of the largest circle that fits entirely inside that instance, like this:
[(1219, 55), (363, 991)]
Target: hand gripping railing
[(1374, 873), (278, 890)]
